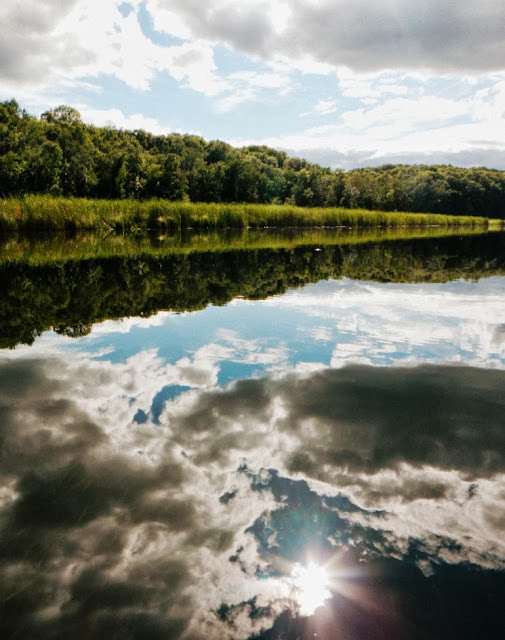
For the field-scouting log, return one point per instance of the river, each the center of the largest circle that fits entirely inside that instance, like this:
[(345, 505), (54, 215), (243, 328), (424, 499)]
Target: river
[(266, 437)]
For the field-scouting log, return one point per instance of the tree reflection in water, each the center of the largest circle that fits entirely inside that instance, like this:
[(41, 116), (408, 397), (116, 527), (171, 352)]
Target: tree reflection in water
[(145, 494)]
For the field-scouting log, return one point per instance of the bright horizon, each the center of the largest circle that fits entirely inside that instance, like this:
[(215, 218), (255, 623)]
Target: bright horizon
[(344, 83)]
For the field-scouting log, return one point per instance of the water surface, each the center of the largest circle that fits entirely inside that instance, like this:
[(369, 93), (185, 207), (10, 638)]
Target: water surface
[(275, 443)]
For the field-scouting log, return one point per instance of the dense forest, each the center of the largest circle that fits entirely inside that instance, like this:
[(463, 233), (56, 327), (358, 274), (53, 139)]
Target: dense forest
[(71, 294), (60, 155)]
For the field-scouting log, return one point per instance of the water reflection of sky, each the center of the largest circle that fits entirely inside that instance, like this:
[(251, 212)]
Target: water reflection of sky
[(144, 496), (327, 324)]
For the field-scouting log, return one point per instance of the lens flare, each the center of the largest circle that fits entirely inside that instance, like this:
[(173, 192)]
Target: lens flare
[(310, 587)]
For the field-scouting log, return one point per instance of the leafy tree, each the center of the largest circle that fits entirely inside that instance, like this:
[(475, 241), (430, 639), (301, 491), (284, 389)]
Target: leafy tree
[(63, 113), (60, 154), (46, 167)]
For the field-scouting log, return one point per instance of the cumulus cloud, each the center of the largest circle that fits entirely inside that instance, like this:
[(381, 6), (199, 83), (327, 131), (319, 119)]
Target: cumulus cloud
[(322, 107), (385, 60), (441, 36), (364, 36), (63, 40), (246, 24), (414, 124), (31, 51), (65, 45), (116, 118)]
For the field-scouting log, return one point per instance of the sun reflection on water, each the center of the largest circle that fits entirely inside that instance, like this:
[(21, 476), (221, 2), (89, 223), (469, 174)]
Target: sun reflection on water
[(310, 587)]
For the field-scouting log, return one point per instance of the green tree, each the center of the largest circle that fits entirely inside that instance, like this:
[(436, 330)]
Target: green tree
[(63, 113)]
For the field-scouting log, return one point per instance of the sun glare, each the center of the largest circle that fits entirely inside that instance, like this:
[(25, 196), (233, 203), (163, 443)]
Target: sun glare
[(311, 587)]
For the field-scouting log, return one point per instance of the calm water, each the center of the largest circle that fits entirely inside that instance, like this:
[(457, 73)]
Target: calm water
[(276, 443)]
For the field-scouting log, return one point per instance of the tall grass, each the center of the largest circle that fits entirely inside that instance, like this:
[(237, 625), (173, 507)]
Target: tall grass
[(47, 212)]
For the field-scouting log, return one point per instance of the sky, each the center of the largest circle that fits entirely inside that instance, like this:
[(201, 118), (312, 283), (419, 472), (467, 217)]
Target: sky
[(344, 83)]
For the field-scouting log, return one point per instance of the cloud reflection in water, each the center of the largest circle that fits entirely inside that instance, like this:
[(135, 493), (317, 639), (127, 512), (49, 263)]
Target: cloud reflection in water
[(191, 527), (142, 496)]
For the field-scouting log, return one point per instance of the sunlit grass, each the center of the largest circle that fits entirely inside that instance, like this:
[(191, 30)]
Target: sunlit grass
[(47, 212)]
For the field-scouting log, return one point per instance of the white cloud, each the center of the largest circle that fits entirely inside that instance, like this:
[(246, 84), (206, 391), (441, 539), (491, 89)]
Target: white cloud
[(396, 116), (322, 108), (404, 78), (95, 38), (401, 34), (73, 40), (63, 50), (413, 125), (29, 48), (116, 118), (193, 63), (370, 87), (249, 86)]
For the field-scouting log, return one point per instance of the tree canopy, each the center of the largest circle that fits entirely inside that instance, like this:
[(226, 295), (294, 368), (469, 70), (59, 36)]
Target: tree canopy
[(60, 155)]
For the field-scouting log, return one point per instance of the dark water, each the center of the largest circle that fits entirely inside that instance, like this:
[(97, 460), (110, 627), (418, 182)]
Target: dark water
[(268, 442)]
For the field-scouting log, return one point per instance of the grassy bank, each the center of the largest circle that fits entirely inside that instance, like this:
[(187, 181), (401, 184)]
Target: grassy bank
[(46, 212)]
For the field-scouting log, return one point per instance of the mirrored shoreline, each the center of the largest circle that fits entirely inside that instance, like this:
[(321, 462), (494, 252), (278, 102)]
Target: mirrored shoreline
[(70, 293)]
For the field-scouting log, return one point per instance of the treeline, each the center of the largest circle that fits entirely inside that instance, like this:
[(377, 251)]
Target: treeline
[(71, 294), (60, 155)]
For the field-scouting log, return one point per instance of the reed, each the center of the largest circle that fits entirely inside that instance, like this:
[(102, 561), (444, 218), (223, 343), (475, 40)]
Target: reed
[(51, 213)]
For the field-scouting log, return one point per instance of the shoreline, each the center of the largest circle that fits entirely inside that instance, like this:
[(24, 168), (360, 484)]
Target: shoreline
[(44, 213)]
